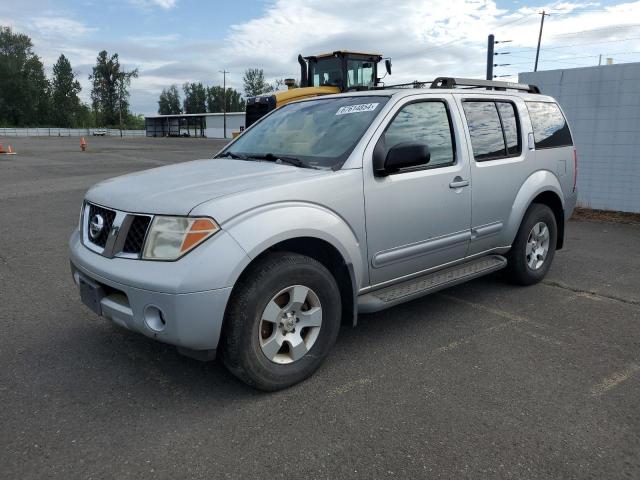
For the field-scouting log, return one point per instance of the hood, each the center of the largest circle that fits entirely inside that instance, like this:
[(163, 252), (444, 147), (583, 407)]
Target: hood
[(177, 189)]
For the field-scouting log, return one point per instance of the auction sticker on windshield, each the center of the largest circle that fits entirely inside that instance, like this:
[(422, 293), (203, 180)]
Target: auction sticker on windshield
[(362, 107)]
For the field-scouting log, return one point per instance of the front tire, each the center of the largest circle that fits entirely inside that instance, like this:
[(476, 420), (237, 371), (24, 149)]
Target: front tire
[(282, 320), (533, 249)]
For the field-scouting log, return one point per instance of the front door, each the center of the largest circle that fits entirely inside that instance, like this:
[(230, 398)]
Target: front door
[(418, 218)]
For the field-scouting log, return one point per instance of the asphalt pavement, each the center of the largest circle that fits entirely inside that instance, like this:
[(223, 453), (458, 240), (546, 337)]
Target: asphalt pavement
[(483, 380)]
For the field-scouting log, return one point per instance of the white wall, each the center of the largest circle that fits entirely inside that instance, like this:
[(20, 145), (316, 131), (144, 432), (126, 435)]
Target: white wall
[(215, 124), (603, 108)]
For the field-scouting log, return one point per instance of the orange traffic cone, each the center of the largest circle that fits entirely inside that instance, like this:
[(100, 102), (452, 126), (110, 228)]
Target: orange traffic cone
[(83, 144), (11, 152)]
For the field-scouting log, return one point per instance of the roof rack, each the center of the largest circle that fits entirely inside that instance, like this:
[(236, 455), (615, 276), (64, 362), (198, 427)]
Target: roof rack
[(451, 82), (414, 84)]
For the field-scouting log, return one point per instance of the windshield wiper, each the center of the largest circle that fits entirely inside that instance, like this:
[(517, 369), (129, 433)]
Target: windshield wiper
[(236, 156), (270, 157)]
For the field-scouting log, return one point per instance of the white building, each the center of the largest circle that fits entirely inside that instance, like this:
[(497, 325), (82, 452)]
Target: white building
[(209, 125)]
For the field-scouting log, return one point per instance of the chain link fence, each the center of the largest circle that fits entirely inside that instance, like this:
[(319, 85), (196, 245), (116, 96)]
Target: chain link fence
[(68, 132)]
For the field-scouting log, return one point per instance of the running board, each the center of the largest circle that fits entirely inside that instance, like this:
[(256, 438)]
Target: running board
[(432, 282)]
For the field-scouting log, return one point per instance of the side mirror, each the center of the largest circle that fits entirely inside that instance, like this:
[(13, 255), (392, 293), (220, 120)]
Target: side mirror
[(387, 64), (402, 155)]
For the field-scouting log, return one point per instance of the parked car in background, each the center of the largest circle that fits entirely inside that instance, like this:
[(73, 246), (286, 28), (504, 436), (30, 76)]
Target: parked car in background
[(99, 132), (326, 208)]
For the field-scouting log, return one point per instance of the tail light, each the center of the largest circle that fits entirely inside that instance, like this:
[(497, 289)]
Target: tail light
[(575, 168)]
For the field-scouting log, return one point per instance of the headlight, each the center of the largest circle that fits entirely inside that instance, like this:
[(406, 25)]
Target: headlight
[(171, 237)]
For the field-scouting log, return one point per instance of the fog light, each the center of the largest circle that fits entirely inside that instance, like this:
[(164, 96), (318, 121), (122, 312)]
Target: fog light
[(154, 318)]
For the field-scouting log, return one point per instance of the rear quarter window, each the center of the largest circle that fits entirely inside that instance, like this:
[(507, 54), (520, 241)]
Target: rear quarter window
[(550, 129)]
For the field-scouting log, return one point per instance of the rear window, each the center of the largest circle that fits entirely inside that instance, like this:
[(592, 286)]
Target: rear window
[(550, 129)]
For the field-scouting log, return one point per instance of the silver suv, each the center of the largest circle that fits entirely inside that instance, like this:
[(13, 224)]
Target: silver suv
[(324, 209)]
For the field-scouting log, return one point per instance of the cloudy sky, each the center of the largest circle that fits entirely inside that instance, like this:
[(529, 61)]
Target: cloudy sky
[(173, 41)]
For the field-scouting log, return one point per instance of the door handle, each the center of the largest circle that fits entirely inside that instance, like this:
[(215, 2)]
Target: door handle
[(458, 182)]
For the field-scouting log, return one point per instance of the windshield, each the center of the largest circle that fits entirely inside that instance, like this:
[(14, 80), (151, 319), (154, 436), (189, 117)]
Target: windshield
[(320, 133)]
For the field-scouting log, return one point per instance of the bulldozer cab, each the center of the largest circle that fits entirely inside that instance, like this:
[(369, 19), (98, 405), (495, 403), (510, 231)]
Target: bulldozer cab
[(342, 69), (339, 71)]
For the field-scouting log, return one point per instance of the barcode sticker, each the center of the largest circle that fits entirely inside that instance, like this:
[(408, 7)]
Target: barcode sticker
[(362, 107)]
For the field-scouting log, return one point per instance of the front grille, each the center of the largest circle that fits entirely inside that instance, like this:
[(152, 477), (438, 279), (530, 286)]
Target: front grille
[(108, 216), (137, 232)]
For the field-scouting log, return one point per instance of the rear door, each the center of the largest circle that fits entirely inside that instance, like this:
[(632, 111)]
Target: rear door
[(418, 218), (499, 163)]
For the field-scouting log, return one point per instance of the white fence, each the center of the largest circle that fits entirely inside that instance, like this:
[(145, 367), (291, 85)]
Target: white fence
[(67, 132)]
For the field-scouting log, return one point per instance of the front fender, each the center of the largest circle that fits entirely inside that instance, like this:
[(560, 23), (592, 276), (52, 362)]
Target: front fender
[(261, 228), (538, 182)]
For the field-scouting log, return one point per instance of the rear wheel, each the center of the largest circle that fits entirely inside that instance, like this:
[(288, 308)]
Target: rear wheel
[(282, 320), (533, 250)]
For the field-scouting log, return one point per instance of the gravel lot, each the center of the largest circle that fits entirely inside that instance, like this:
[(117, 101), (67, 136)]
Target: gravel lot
[(484, 380)]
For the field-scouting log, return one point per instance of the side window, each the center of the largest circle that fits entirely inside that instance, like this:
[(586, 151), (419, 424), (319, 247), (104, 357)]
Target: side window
[(485, 130), (494, 129), (359, 74), (510, 126), (550, 129), (426, 122)]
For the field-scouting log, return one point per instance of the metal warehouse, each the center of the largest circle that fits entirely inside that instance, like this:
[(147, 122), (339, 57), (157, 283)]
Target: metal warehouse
[(603, 107), (209, 125)]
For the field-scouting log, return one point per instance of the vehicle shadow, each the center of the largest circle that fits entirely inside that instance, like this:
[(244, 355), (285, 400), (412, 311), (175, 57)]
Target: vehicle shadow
[(105, 357)]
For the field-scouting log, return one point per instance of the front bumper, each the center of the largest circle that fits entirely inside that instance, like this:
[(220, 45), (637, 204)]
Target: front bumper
[(149, 297)]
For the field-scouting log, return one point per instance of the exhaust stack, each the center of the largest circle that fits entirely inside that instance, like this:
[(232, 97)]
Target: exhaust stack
[(303, 72)]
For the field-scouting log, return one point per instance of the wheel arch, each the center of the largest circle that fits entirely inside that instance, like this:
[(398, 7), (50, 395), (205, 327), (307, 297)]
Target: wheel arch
[(552, 200), (541, 187), (307, 229), (329, 256)]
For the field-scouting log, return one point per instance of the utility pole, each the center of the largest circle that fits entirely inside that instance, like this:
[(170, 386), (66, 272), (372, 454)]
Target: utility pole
[(224, 100), (535, 68), (490, 46)]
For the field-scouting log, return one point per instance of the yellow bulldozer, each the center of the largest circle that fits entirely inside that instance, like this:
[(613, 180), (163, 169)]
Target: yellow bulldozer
[(339, 71)]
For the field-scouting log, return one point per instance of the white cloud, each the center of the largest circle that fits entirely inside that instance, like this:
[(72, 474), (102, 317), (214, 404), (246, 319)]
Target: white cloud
[(424, 39), (164, 4), (57, 25)]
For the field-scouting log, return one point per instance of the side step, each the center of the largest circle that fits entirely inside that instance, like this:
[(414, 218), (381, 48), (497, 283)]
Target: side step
[(432, 282)]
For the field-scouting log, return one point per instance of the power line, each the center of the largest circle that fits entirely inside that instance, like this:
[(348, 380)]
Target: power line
[(522, 49), (592, 30), (437, 47), (514, 22), (559, 60)]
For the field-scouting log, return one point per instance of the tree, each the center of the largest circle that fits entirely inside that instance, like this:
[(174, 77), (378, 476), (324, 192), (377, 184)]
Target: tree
[(110, 89), (215, 100), (169, 102), (24, 88), (36, 105), (65, 104), (195, 100), (122, 84), (235, 102), (254, 83)]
